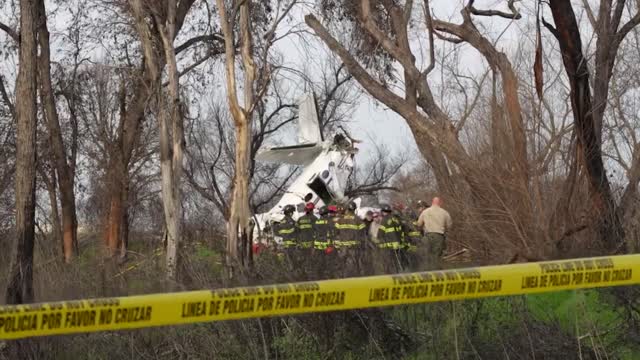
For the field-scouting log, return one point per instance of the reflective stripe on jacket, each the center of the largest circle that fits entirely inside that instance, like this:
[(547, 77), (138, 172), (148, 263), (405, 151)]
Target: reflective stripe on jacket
[(390, 232), (288, 231), (307, 230), (322, 234), (350, 231)]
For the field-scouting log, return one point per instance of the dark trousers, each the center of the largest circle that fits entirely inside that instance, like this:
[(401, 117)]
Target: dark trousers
[(437, 246)]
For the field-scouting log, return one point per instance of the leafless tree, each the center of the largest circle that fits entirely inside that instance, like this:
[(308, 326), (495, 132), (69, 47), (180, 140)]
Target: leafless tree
[(377, 173), (385, 24), (256, 74), (20, 288), (64, 156), (588, 110)]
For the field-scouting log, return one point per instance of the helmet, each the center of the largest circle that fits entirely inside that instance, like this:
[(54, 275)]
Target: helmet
[(289, 209), (386, 208), (352, 206), (309, 206), (421, 204), (323, 210)]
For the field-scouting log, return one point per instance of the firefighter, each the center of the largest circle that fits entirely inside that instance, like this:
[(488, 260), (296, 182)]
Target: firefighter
[(287, 230), (306, 228), (390, 240), (405, 230), (331, 255), (322, 243), (334, 217), (350, 231), (412, 240), (306, 236)]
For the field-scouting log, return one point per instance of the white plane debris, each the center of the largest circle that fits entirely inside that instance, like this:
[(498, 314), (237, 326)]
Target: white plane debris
[(327, 165)]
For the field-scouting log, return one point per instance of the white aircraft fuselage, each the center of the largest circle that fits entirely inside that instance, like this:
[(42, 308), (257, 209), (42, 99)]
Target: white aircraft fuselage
[(322, 181), (326, 167)]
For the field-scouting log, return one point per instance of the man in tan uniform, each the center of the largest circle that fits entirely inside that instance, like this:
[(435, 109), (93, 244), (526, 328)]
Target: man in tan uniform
[(435, 222)]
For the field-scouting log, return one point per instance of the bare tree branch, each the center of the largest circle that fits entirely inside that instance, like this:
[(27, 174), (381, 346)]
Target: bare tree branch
[(10, 31), (514, 15), (551, 29), (589, 11), (429, 20), (202, 38)]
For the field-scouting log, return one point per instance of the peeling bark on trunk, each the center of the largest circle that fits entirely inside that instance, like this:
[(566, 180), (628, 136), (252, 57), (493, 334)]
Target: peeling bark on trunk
[(20, 287), (118, 166), (158, 48), (171, 148), (239, 212), (115, 224)]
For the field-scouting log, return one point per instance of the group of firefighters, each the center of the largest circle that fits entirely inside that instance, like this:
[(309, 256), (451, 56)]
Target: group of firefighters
[(338, 242)]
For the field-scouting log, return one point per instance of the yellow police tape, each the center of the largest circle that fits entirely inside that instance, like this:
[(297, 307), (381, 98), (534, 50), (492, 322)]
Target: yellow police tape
[(306, 297)]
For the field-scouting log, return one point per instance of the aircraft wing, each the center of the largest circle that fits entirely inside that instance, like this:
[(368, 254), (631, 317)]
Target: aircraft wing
[(294, 155), (308, 124)]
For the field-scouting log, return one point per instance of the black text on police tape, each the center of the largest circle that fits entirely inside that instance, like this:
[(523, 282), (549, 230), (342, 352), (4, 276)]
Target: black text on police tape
[(72, 319), (575, 278), (262, 303)]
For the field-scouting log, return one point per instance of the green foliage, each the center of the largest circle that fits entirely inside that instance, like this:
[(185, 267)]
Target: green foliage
[(295, 343), (209, 257)]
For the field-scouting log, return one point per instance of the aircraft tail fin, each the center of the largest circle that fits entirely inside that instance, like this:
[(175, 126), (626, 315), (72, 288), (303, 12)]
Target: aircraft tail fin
[(309, 137), (308, 122)]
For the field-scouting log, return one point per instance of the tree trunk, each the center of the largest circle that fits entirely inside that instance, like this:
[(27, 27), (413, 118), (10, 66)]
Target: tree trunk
[(69, 221), (171, 143), (171, 200), (610, 230), (239, 213), (65, 172), (50, 182), (20, 288), (114, 226), (239, 210), (118, 165)]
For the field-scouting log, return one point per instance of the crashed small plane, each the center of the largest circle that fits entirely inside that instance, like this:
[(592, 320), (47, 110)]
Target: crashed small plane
[(327, 165)]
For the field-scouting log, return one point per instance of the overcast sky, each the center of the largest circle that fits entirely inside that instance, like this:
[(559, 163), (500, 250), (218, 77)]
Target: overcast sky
[(372, 121)]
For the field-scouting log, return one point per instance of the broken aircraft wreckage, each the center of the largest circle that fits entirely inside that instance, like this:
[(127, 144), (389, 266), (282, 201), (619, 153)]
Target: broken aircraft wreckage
[(326, 168)]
